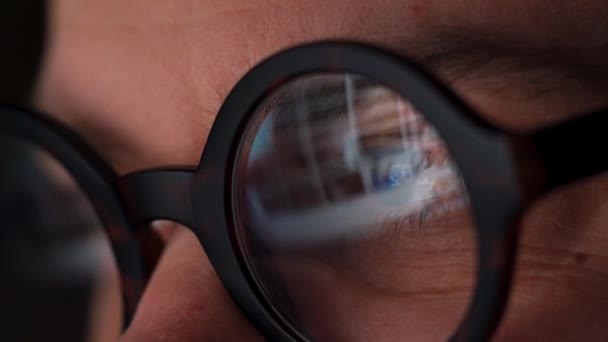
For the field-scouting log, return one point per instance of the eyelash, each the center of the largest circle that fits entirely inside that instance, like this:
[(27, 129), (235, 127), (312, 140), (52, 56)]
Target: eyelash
[(425, 144), (439, 206), (428, 214)]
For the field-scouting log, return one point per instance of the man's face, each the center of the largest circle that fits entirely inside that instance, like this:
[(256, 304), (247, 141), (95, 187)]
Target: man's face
[(142, 81)]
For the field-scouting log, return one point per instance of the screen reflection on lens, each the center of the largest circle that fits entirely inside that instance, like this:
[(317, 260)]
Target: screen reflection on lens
[(352, 215)]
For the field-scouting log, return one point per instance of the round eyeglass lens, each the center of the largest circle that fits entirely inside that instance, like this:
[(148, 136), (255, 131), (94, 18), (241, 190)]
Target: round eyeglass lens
[(352, 216), (60, 282)]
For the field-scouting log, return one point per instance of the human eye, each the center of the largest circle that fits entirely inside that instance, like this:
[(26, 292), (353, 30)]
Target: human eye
[(351, 195)]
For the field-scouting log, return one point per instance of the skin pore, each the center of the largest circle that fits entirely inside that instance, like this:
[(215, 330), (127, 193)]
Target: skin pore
[(143, 80)]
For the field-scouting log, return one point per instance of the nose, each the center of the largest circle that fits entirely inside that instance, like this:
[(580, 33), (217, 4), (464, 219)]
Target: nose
[(185, 300)]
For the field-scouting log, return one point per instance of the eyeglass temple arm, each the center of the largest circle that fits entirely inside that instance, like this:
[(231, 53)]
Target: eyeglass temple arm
[(570, 151), (156, 195)]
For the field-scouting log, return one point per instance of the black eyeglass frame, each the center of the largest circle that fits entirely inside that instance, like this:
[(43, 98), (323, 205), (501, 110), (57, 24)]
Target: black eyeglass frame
[(504, 173)]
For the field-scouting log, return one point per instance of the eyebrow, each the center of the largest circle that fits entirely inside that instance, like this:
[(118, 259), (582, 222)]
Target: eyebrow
[(460, 53), (457, 51), (462, 46)]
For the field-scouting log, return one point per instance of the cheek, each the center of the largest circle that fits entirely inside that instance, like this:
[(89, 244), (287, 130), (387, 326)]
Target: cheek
[(422, 298), (554, 298), (560, 282)]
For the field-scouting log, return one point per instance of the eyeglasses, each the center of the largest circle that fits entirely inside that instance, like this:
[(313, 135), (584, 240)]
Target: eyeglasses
[(340, 183)]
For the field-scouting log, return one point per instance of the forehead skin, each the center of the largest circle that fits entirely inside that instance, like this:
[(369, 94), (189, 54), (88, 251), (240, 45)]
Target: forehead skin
[(143, 80)]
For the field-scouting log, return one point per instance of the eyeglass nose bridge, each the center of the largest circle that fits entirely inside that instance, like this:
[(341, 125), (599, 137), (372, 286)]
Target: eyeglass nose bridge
[(157, 195)]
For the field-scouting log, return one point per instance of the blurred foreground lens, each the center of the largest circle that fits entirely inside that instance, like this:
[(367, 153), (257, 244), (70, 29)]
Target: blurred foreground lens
[(59, 281), (352, 216)]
